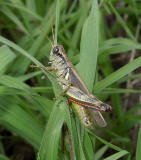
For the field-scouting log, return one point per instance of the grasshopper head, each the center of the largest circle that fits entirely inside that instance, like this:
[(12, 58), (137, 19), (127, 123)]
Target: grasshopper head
[(57, 51)]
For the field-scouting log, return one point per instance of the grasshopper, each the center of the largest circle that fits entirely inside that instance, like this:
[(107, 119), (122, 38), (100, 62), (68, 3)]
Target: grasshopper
[(74, 87)]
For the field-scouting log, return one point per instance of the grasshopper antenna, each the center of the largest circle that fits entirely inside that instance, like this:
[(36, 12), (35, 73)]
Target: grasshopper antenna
[(52, 27), (41, 30)]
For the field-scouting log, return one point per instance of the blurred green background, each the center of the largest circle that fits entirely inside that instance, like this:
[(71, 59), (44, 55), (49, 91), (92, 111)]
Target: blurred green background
[(102, 39)]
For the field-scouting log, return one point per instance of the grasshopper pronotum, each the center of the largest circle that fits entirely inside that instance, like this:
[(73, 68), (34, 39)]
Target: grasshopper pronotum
[(74, 87)]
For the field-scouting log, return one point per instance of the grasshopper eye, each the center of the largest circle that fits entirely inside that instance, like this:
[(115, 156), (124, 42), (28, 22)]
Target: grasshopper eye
[(55, 50)]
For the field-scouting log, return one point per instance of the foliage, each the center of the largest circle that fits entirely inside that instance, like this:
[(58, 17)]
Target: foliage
[(27, 109)]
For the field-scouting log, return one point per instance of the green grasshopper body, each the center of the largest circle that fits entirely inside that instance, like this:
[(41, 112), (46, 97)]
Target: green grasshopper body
[(75, 88)]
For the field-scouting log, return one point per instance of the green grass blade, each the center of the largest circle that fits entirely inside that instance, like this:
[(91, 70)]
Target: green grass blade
[(108, 144), (119, 90), (88, 147), (2, 157), (100, 152), (124, 25), (16, 47), (118, 74), (50, 141), (17, 84), (117, 155), (29, 75), (89, 47), (26, 54), (138, 149), (117, 45), (17, 120), (6, 56), (23, 8), (5, 10)]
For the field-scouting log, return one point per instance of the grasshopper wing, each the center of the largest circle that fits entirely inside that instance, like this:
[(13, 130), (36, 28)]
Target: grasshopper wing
[(77, 82), (98, 118)]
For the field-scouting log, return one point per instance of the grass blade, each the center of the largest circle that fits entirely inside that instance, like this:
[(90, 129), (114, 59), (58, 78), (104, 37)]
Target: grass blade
[(89, 47), (117, 75), (138, 149), (50, 141)]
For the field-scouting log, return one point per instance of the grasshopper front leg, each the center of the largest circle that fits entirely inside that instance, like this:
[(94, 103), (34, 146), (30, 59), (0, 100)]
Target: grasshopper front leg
[(61, 80), (50, 69)]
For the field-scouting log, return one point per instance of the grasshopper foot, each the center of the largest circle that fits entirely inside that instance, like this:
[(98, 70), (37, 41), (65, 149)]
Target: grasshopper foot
[(32, 66), (44, 77), (54, 99)]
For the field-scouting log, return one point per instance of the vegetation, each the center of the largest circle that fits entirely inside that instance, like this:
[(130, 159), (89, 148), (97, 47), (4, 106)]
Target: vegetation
[(102, 41)]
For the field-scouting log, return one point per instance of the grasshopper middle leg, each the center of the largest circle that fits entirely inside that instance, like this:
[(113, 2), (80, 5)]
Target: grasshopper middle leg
[(61, 93)]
